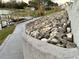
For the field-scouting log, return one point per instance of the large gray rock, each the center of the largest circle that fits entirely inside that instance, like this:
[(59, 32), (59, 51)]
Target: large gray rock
[(68, 29), (70, 45), (35, 33), (53, 40), (44, 39), (69, 35)]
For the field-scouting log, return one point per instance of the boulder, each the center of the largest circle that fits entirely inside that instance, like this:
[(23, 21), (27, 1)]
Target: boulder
[(63, 41), (35, 33), (61, 29), (69, 35), (64, 25), (68, 29), (69, 23), (44, 39), (70, 45), (60, 45), (27, 31), (53, 40), (59, 17), (54, 29), (53, 34), (47, 35), (45, 29), (63, 20)]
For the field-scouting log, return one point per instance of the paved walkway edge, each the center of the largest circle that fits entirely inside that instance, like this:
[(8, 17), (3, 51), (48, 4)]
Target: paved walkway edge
[(4, 43)]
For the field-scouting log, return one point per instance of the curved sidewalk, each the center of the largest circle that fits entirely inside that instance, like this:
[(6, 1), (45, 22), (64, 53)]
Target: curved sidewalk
[(12, 46)]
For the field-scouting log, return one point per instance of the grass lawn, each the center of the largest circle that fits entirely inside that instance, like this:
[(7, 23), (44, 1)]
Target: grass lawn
[(29, 12), (5, 32), (53, 10)]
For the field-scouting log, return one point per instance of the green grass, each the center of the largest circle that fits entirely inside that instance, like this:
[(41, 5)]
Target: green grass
[(47, 12), (53, 10), (5, 32), (21, 12), (29, 12)]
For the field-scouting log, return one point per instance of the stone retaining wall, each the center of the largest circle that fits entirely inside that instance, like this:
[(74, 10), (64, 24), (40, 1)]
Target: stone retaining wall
[(36, 49), (53, 29)]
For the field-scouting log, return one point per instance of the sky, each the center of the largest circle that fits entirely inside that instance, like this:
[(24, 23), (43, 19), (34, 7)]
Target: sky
[(61, 1), (58, 1), (17, 0)]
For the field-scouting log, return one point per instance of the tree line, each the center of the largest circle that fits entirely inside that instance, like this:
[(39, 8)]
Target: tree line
[(42, 5), (21, 5), (14, 4), (38, 3)]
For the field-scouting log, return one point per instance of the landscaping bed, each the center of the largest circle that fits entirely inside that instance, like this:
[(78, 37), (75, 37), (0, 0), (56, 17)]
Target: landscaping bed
[(54, 29)]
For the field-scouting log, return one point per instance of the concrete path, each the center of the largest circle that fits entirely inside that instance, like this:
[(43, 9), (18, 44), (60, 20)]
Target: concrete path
[(12, 46)]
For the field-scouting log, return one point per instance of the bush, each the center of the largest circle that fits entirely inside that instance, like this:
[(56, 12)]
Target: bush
[(47, 8)]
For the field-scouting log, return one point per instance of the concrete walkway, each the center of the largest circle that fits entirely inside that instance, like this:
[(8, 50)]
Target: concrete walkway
[(12, 46)]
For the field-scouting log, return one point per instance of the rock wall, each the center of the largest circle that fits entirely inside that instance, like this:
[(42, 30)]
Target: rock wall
[(74, 17), (36, 49), (53, 29)]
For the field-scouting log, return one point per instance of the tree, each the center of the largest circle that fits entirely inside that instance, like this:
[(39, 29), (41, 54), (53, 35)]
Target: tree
[(0, 3), (49, 3), (20, 5), (33, 4), (13, 4), (40, 7)]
